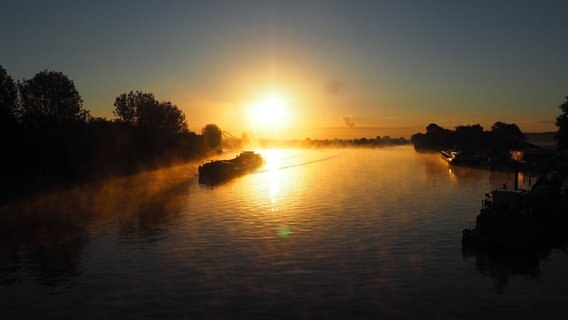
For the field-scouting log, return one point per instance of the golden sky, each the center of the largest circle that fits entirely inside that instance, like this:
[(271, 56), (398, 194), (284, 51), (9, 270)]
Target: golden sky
[(393, 67)]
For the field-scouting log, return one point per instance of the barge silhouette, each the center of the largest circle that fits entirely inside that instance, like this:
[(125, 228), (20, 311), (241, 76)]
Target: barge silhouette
[(215, 172)]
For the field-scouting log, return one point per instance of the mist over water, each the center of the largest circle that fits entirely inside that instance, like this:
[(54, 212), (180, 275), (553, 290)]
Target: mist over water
[(353, 233)]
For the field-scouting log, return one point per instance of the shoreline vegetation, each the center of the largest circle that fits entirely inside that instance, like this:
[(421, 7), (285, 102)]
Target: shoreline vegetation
[(377, 142), (504, 146), (493, 143), (496, 143), (50, 140)]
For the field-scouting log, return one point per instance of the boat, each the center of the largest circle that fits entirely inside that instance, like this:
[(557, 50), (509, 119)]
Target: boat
[(460, 156), (519, 220), (533, 158), (221, 170)]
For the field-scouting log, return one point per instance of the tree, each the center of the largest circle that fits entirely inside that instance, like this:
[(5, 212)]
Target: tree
[(417, 140), (469, 130), (468, 135), (212, 135), (509, 131), (164, 116), (562, 124), (433, 128), (174, 118), (143, 110), (8, 97), (50, 97), (127, 106), (436, 138)]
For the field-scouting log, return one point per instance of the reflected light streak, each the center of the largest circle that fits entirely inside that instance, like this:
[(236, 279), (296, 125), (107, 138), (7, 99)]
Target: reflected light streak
[(453, 177), (273, 194), (273, 163)]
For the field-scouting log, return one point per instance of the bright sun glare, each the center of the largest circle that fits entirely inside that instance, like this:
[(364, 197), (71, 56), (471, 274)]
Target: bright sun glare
[(269, 112)]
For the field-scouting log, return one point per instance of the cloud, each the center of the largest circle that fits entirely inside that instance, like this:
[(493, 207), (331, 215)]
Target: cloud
[(348, 120)]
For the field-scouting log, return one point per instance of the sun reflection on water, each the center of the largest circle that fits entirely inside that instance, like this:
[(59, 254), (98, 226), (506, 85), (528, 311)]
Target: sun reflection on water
[(273, 159), (278, 182)]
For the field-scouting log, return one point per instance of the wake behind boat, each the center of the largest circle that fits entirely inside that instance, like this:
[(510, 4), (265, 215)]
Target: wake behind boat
[(222, 170)]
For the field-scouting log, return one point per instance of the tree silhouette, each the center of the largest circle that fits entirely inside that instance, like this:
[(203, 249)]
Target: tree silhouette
[(505, 136), (212, 135), (510, 131), (141, 109), (436, 137), (165, 115), (8, 97), (502, 138), (50, 97), (562, 124), (433, 128), (469, 135), (127, 106)]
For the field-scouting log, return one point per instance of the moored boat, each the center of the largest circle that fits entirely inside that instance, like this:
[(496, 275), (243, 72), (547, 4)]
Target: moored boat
[(518, 219), (460, 156), (534, 158)]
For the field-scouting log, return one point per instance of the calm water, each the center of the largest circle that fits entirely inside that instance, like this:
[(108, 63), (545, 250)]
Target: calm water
[(314, 233)]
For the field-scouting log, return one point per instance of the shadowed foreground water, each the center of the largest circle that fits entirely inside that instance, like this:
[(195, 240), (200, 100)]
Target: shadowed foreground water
[(352, 233)]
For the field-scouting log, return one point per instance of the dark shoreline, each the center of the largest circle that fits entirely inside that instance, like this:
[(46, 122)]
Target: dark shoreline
[(63, 155)]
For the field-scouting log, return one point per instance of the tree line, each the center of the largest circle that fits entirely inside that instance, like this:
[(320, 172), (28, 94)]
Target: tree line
[(376, 142), (496, 142), (562, 134), (49, 138)]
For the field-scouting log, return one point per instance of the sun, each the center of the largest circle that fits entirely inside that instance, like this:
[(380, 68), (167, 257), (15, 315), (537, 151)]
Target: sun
[(271, 111)]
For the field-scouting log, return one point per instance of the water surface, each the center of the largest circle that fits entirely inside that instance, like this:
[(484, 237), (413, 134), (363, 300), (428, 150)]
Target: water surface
[(314, 233)]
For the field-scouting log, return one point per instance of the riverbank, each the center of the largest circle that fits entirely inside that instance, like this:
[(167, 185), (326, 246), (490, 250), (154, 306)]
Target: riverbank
[(57, 156)]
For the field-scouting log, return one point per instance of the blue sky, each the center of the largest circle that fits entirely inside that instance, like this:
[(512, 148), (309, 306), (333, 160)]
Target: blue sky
[(391, 63)]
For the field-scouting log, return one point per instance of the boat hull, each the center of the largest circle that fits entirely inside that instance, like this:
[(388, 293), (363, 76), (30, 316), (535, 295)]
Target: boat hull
[(458, 158), (220, 171)]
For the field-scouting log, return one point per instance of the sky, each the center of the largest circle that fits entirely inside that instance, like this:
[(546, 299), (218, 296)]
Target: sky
[(373, 67)]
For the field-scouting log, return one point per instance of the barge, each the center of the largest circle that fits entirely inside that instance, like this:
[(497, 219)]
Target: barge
[(217, 171)]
